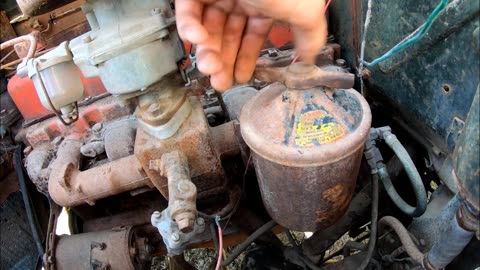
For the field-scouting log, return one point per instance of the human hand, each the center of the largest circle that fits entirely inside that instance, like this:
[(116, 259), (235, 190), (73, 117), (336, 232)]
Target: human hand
[(229, 34)]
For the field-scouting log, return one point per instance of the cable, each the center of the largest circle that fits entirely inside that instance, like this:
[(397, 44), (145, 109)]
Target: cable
[(416, 37), (364, 38), (220, 243), (240, 248), (326, 6), (299, 253), (373, 231), (402, 233)]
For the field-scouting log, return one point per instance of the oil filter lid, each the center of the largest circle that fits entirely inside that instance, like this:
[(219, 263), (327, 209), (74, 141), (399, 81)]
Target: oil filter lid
[(304, 128)]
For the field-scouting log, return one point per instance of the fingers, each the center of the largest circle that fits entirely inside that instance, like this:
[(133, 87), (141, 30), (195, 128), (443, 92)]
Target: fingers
[(309, 42), (232, 38), (254, 37), (208, 52), (189, 21), (306, 17)]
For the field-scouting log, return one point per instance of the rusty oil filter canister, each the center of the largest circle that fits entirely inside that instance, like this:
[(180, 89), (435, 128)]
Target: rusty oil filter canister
[(307, 147)]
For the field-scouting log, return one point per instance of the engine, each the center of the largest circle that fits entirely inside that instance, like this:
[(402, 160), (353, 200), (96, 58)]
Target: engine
[(120, 128)]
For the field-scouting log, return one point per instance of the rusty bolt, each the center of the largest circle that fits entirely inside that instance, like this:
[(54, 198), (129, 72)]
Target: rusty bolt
[(155, 165), (175, 237), (27, 150), (366, 73), (185, 222), (57, 141), (97, 127)]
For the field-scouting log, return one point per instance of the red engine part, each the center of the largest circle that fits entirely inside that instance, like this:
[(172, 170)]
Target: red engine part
[(104, 110), (28, 103)]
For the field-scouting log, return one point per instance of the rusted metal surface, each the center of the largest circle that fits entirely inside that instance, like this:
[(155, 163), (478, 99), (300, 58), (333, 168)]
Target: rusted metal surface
[(226, 142), (193, 138), (68, 186), (307, 146), (116, 249), (37, 166), (7, 32), (26, 38), (105, 110), (467, 157), (182, 192), (159, 107), (302, 76), (315, 246), (467, 220)]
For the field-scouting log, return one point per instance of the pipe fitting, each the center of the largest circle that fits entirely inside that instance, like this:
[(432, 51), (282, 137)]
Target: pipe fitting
[(182, 193), (412, 172)]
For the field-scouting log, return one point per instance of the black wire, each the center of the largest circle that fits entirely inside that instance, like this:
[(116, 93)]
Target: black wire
[(300, 254), (214, 233), (32, 217), (240, 248), (373, 231)]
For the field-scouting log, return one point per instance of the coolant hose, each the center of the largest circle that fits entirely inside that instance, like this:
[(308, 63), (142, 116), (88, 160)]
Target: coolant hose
[(413, 176), (404, 236)]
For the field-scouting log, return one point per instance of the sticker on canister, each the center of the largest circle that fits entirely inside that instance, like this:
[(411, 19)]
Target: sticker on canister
[(317, 128)]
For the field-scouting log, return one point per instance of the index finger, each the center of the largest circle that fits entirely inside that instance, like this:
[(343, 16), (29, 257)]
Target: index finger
[(189, 21)]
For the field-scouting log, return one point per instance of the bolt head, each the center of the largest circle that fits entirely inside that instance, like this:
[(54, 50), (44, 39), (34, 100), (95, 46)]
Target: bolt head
[(97, 127), (200, 221), (157, 214), (175, 237)]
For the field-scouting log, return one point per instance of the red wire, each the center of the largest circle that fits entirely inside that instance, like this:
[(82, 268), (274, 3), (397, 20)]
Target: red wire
[(220, 249), (326, 6), (324, 11), (295, 59)]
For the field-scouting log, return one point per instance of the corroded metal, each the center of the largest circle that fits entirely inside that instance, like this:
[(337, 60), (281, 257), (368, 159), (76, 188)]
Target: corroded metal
[(302, 76), (194, 140), (307, 147), (68, 186), (116, 249), (182, 192)]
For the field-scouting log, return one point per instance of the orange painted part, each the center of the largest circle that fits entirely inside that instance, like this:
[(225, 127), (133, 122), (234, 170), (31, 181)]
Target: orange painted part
[(280, 34), (28, 103), (105, 110)]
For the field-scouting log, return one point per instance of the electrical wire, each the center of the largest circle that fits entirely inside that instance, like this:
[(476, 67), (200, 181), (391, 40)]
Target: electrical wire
[(373, 232), (220, 243), (240, 248), (326, 6), (364, 38), (415, 37)]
